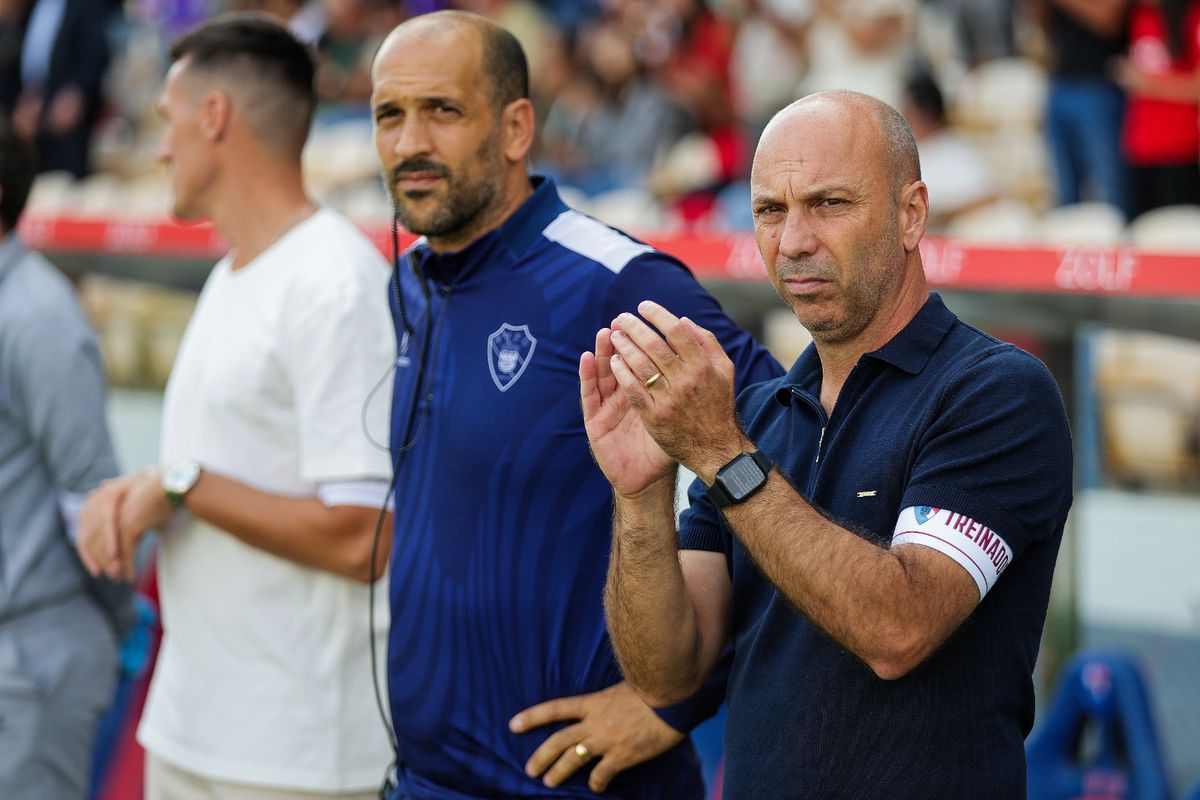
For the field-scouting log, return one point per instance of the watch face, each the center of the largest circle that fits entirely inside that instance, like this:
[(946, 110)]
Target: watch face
[(741, 477), (181, 476)]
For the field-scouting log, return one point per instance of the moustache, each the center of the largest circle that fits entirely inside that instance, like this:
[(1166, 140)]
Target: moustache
[(786, 269), (419, 165)]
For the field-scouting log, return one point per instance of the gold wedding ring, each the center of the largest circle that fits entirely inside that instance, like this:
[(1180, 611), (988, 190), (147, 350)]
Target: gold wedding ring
[(582, 751), (653, 379)]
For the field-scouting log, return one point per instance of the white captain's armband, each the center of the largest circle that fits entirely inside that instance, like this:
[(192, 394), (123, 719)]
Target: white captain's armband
[(977, 549)]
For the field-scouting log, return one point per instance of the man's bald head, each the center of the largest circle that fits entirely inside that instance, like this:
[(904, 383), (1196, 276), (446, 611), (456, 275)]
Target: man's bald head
[(265, 70), (502, 63), (895, 137)]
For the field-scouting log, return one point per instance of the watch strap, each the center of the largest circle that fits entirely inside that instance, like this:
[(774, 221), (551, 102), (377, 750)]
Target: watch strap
[(177, 492)]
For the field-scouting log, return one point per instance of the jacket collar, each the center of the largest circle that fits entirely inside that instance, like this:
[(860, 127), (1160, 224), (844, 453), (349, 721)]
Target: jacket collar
[(505, 243)]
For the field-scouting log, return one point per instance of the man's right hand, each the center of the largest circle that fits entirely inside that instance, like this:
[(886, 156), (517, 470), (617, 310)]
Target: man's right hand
[(627, 454), (115, 517)]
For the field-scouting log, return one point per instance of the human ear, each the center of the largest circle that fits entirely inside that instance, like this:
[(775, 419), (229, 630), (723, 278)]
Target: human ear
[(913, 214), (214, 115), (516, 129)]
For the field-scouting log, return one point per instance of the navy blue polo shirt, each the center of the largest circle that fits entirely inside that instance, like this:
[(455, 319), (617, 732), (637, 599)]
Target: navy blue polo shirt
[(946, 420)]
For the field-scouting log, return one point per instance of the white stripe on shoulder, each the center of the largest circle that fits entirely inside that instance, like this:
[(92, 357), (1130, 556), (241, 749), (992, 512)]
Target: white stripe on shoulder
[(594, 240)]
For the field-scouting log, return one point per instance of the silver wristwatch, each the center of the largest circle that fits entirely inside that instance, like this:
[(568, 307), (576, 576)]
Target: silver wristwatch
[(179, 478)]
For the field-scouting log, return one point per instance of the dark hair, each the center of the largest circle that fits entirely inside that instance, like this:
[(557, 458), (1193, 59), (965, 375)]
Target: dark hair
[(923, 92), (17, 168), (254, 49), (504, 64), (501, 59)]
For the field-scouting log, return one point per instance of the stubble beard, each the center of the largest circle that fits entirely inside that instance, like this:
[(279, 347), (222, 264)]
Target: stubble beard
[(861, 299), (465, 204)]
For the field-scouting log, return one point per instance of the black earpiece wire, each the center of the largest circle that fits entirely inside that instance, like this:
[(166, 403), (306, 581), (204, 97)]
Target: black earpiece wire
[(402, 448)]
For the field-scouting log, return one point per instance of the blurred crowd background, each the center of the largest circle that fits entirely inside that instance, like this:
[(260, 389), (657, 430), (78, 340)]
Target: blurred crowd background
[(1039, 122), (649, 109)]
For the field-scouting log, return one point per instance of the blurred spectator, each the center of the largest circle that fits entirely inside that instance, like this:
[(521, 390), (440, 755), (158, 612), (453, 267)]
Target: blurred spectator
[(1162, 122), (570, 15), (607, 127), (1085, 106), (768, 58), (696, 67), (353, 31), (307, 20), (959, 179), (555, 75), (12, 25), (173, 17), (53, 89), (304, 18), (862, 45), (984, 28)]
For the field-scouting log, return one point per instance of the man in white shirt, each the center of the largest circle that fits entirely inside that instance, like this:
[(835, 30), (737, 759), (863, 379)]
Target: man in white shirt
[(270, 483)]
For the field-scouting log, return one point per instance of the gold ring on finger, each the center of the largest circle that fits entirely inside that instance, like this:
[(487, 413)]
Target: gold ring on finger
[(582, 751), (653, 379)]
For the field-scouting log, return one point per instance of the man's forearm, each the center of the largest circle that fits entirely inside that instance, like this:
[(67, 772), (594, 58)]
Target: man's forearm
[(877, 603), (1174, 87), (650, 615), (301, 529)]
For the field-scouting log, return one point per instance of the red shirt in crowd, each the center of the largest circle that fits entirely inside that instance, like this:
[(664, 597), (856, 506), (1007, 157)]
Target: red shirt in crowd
[(1162, 132)]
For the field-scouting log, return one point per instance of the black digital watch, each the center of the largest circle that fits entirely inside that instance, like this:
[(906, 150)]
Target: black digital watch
[(740, 478)]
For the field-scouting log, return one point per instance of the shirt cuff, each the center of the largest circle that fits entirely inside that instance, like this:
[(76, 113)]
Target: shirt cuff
[(70, 505), (701, 536)]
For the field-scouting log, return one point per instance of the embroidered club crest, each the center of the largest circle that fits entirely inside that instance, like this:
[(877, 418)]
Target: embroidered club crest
[(923, 513), (510, 348)]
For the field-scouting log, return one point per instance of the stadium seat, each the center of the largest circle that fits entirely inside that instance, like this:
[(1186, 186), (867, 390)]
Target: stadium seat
[(1002, 222), (1097, 741), (1083, 224), (1169, 228), (1002, 93)]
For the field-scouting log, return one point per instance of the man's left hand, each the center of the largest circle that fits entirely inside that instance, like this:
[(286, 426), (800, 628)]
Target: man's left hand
[(615, 727), (688, 407)]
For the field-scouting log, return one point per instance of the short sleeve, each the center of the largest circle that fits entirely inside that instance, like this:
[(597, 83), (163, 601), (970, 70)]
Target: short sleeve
[(339, 357), (997, 452), (687, 714), (700, 526)]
